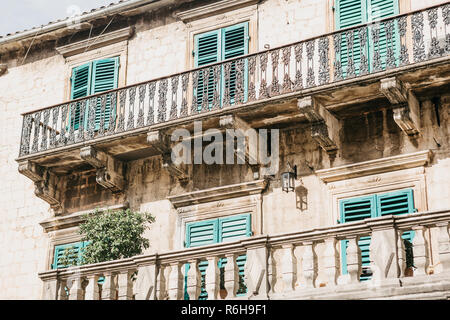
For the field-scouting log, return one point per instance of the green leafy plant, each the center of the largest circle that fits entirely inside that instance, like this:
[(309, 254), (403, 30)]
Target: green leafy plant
[(114, 235)]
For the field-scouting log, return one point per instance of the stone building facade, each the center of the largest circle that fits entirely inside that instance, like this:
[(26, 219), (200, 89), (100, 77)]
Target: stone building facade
[(350, 135)]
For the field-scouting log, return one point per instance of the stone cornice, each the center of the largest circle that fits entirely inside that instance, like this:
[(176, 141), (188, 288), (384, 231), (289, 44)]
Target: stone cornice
[(404, 161), (74, 219), (95, 42), (214, 8), (219, 193)]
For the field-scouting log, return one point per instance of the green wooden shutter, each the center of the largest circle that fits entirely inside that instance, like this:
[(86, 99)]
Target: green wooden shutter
[(207, 51), (104, 77), (353, 210), (350, 13), (80, 87), (76, 249), (380, 9), (399, 202), (235, 41), (232, 229)]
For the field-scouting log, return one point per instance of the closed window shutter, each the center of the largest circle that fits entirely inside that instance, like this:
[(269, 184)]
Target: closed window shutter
[(207, 51), (104, 78), (380, 9), (80, 88), (75, 250), (235, 43), (350, 13), (399, 202), (217, 231), (354, 210)]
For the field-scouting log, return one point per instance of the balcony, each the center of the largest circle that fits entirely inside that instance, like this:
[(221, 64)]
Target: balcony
[(339, 69), (301, 265), (391, 63)]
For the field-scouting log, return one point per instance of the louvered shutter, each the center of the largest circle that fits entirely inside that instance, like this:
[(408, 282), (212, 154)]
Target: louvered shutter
[(232, 229), (399, 202), (80, 87), (216, 231), (380, 9), (353, 210), (104, 77), (208, 48), (350, 13), (75, 250), (235, 43)]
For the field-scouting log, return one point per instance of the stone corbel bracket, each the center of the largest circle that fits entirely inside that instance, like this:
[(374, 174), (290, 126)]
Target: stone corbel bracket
[(250, 154), (45, 183), (109, 170), (324, 126), (161, 142), (406, 106)]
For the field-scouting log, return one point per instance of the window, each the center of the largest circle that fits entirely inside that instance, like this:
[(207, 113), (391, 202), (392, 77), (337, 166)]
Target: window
[(216, 231), (350, 13), (74, 251), (377, 205), (92, 78), (216, 46)]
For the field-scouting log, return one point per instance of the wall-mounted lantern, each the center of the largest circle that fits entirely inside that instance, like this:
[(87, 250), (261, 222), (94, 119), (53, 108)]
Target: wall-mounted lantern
[(288, 178)]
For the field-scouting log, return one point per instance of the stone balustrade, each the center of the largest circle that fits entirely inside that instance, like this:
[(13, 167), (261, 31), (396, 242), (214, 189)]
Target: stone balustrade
[(305, 264)]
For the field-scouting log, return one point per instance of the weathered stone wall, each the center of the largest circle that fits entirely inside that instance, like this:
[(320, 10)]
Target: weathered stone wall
[(157, 49)]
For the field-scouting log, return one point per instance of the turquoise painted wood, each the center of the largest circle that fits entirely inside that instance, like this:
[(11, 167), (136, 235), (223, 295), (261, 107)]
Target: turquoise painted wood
[(354, 209), (77, 249), (80, 87), (92, 78), (216, 231), (215, 46), (105, 75), (350, 13)]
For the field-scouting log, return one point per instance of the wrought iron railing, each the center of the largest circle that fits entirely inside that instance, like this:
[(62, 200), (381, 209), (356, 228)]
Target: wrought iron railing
[(271, 265), (354, 52)]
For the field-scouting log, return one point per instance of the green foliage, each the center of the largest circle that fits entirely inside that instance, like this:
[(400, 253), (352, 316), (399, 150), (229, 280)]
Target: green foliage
[(69, 258), (114, 235)]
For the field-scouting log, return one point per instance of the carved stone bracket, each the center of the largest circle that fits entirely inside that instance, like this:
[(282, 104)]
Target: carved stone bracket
[(406, 110), (45, 183), (250, 154), (161, 142), (324, 126), (109, 170)]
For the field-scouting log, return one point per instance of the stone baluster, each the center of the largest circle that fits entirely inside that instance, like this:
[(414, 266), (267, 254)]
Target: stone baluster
[(256, 268), (109, 287), (146, 282), (383, 251), (194, 280), (125, 285), (289, 267), (444, 246), (76, 291), (420, 251), (401, 254), (161, 287), (331, 261), (212, 278), (308, 264), (231, 276), (92, 291), (51, 286), (353, 259), (175, 281), (62, 293)]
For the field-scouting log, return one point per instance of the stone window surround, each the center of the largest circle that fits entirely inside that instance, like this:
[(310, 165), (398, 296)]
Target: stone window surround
[(109, 50), (219, 203), (218, 20), (64, 229)]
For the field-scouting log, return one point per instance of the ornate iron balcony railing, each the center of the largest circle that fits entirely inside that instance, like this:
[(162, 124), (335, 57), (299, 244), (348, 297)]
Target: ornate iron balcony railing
[(354, 52), (271, 266)]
